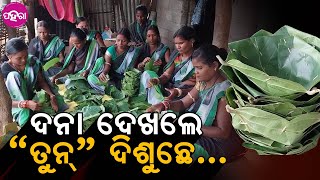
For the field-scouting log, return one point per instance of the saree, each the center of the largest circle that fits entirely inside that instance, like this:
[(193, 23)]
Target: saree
[(92, 35), (182, 72), (89, 54), (119, 65), (159, 53), (23, 85), (47, 54), (206, 108), (138, 32)]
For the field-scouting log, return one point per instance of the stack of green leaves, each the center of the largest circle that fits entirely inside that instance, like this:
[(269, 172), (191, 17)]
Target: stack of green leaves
[(131, 82), (273, 98), (44, 100), (92, 104)]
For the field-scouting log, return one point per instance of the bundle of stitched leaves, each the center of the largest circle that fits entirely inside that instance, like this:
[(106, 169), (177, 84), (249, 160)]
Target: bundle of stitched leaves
[(274, 95), (93, 104)]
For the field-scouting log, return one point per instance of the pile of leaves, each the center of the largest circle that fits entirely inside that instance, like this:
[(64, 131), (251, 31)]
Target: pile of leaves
[(92, 104), (44, 100), (273, 98), (131, 82)]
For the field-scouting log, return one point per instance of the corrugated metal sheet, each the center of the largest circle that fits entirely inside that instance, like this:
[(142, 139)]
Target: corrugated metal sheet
[(108, 12), (129, 10), (3, 36), (100, 13)]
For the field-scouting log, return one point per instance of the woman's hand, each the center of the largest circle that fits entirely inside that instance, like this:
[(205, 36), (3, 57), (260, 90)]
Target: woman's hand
[(85, 73), (53, 79), (143, 63), (173, 93), (147, 59), (103, 77), (54, 103), (158, 62), (33, 105), (153, 82), (156, 108)]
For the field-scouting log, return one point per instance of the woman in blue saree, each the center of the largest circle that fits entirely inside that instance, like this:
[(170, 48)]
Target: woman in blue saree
[(178, 74), (207, 100), (48, 48), (23, 76), (117, 60), (81, 56)]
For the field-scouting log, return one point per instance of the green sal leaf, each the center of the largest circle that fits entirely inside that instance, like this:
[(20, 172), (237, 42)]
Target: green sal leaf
[(151, 67)]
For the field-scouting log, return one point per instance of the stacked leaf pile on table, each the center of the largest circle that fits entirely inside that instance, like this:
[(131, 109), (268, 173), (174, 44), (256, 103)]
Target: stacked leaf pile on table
[(93, 104), (273, 99)]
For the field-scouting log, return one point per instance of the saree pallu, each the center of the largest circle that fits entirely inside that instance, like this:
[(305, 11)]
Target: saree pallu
[(89, 53), (92, 35), (206, 108), (22, 86), (182, 72), (47, 54), (119, 65)]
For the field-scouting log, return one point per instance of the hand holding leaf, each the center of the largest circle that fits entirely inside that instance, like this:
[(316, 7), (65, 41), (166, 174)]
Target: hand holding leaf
[(147, 59), (103, 77), (54, 79), (158, 62), (153, 82), (85, 73), (33, 105), (173, 93), (155, 108)]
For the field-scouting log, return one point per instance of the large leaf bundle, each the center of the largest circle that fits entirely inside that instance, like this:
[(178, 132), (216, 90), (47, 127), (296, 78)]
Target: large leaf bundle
[(131, 82), (274, 100)]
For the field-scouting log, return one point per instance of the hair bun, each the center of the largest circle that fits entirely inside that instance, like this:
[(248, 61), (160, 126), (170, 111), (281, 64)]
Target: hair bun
[(223, 53)]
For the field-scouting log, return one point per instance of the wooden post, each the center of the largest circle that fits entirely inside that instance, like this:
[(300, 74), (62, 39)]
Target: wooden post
[(222, 23), (5, 105), (30, 23)]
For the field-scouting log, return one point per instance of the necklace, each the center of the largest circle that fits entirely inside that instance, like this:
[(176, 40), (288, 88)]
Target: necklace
[(214, 82)]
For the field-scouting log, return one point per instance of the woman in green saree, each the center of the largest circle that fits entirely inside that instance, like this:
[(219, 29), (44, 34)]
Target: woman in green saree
[(81, 57), (118, 59), (48, 48), (138, 29), (83, 23), (207, 100), (154, 52), (178, 76), (23, 76)]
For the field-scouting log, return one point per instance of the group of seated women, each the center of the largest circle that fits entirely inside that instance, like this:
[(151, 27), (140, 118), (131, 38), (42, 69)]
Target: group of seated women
[(186, 79)]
